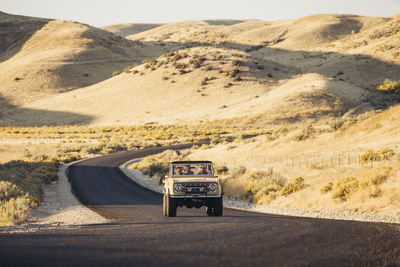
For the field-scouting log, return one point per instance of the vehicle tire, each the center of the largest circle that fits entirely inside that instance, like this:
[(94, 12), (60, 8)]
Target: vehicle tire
[(171, 207), (165, 204), (218, 207)]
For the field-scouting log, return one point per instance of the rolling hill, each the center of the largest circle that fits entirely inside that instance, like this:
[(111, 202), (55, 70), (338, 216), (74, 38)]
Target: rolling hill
[(256, 72)]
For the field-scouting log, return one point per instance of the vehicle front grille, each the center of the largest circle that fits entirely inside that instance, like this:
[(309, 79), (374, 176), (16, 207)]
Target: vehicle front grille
[(197, 188)]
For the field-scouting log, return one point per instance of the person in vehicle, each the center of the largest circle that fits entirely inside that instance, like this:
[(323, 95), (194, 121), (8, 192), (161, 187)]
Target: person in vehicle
[(187, 170), (202, 170), (178, 170)]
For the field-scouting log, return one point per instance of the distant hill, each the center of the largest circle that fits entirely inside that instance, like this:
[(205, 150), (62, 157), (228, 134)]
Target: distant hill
[(126, 29)]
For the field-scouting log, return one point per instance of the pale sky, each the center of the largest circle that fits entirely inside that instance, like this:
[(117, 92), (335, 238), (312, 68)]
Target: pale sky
[(101, 12)]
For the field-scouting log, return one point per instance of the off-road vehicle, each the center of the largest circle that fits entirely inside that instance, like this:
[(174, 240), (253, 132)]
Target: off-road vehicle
[(192, 184)]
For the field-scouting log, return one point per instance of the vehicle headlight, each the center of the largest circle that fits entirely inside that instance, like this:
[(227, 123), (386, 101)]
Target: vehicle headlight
[(212, 187), (178, 187)]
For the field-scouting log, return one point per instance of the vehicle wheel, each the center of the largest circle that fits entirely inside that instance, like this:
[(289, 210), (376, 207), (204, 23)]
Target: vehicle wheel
[(218, 207), (164, 204), (171, 207), (210, 211)]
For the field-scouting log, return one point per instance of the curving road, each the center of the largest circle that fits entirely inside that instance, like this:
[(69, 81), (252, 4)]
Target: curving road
[(141, 236)]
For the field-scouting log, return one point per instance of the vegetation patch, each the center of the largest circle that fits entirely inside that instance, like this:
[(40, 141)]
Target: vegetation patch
[(369, 181), (390, 86), (370, 155), (295, 185)]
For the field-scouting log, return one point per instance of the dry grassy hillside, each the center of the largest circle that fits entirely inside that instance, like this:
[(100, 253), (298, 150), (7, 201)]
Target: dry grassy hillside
[(249, 72), (41, 57)]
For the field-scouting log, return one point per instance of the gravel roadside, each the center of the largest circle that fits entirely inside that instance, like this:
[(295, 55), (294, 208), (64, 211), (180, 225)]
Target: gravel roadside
[(152, 184), (59, 208)]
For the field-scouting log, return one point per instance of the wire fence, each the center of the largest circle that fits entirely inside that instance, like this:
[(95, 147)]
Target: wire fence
[(323, 161)]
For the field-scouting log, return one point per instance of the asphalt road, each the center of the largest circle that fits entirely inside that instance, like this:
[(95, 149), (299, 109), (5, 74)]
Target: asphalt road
[(141, 236)]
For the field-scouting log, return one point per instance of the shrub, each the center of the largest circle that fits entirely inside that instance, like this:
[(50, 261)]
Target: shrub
[(260, 179), (233, 73), (229, 84), (344, 187), (249, 190), (12, 210), (196, 63), (390, 86), (375, 191), (306, 133), (115, 73), (386, 153), (317, 165), (7, 212), (266, 194), (220, 169), (336, 124), (293, 186), (326, 188), (235, 62), (181, 66), (369, 155), (181, 72), (9, 190), (375, 177)]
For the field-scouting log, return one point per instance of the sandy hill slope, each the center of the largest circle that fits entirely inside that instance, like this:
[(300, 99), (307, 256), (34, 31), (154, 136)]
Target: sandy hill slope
[(204, 84), (42, 57), (255, 72), (126, 29)]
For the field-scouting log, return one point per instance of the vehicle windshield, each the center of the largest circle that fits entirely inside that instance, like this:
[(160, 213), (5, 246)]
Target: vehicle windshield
[(194, 169)]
